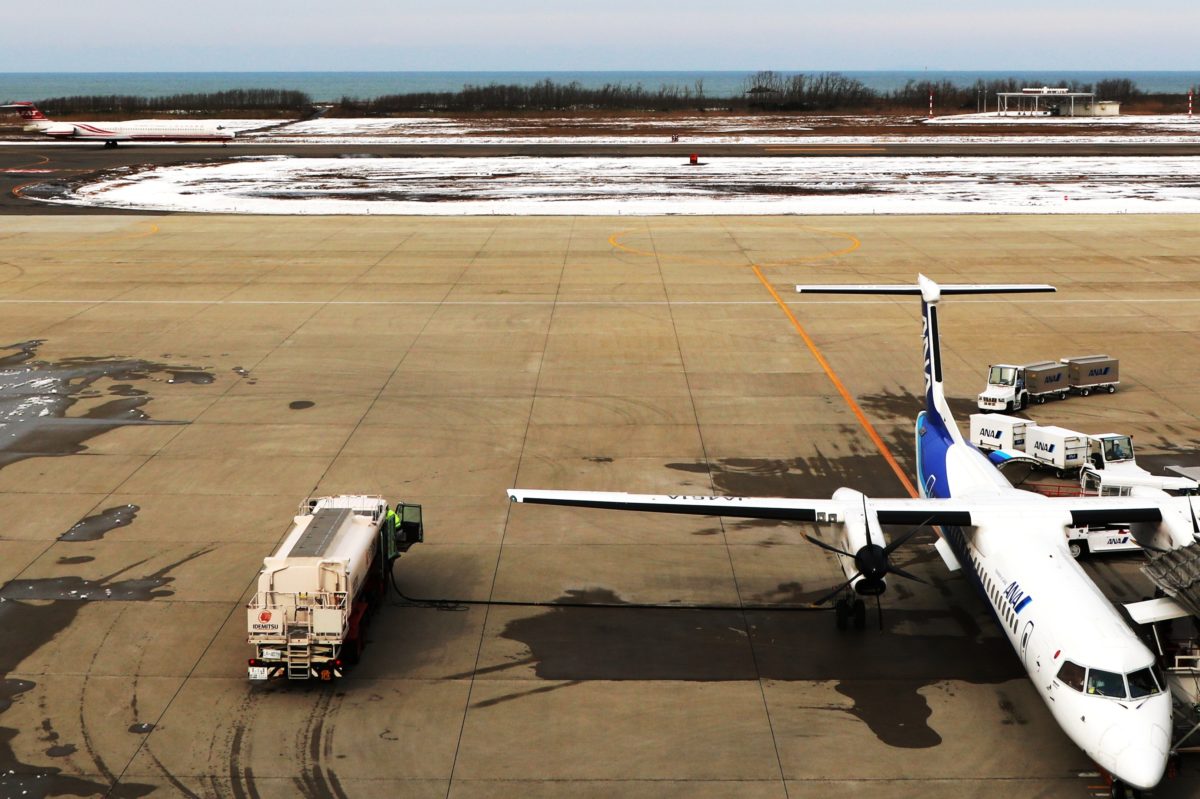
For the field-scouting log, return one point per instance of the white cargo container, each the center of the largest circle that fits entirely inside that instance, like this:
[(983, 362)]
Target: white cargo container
[(308, 616), (1057, 447), (995, 431)]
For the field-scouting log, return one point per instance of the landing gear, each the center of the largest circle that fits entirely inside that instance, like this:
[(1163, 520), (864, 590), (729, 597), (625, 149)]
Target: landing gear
[(1119, 790), (108, 145), (849, 610)]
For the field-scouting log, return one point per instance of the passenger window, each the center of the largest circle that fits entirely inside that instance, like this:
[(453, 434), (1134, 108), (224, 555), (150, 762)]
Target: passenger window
[(1105, 683), (1071, 675), (1141, 683)]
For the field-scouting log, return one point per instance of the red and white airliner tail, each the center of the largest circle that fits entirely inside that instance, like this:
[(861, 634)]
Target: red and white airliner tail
[(113, 132)]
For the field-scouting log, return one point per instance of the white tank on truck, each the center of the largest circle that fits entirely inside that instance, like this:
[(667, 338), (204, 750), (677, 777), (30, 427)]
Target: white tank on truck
[(316, 591)]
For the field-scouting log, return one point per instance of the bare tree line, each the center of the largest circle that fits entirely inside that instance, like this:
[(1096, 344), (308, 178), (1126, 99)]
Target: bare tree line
[(546, 95), (200, 102), (762, 91)]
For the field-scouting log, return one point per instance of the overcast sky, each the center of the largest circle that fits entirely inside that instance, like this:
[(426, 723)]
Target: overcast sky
[(249, 35)]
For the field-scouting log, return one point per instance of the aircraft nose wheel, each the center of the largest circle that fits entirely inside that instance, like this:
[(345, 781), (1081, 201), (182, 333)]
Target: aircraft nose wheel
[(1119, 790), (849, 610)]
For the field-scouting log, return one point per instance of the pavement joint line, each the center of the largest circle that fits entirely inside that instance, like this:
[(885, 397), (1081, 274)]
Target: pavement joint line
[(746, 626), (487, 610), (841, 388), (1124, 301)]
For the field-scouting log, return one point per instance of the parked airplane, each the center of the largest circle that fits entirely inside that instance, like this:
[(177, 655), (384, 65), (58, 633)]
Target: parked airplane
[(1097, 678), (113, 132)]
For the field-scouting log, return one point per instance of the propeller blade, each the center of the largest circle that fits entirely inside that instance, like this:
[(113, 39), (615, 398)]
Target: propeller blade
[(836, 591), (898, 542), (830, 547), (896, 570), (867, 518), (1192, 509), (879, 611)]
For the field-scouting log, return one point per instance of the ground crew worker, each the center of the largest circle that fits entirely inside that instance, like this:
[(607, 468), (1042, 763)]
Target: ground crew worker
[(393, 522)]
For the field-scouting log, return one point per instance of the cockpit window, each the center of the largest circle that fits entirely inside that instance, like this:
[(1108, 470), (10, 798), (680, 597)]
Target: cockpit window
[(1002, 376), (1071, 675), (1105, 683), (1142, 683)]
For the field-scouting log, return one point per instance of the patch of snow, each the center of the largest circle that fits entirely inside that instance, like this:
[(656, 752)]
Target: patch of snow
[(613, 186)]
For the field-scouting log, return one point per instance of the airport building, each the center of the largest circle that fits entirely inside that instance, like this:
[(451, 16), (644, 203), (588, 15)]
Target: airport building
[(1049, 101)]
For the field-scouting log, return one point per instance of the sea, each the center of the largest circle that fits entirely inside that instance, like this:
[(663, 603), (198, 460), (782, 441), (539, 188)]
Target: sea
[(331, 86)]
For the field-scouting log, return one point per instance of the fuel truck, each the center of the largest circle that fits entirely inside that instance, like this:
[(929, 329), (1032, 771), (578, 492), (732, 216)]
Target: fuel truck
[(316, 592)]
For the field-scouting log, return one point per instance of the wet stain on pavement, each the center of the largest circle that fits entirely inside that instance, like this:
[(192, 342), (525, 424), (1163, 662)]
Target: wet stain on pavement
[(195, 376), (905, 405), (36, 401), (300, 405), (24, 628), (36, 396), (93, 528), (882, 673), (817, 476)]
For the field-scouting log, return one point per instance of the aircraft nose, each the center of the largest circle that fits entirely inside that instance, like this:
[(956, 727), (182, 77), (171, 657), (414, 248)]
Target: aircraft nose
[(1141, 766)]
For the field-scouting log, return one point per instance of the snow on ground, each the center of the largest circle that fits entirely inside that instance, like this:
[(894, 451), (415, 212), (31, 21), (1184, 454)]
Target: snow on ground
[(406, 127), (523, 185), (1181, 122), (764, 130)]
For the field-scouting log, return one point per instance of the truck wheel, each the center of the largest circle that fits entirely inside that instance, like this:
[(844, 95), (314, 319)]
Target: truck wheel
[(1083, 392), (1008, 407), (1112, 389), (1040, 399), (1062, 396), (1076, 549), (1024, 402)]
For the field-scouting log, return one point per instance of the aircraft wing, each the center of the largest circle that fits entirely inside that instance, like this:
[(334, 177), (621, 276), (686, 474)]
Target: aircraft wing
[(832, 511), (1096, 511)]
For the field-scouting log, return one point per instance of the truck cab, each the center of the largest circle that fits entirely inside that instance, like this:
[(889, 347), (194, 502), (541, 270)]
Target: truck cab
[(1005, 387), (1111, 449)]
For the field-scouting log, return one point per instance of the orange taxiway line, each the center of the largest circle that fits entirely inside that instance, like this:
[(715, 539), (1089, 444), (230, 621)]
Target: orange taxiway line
[(872, 433)]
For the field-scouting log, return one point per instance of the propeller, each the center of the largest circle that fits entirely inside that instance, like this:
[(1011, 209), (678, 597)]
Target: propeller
[(872, 561)]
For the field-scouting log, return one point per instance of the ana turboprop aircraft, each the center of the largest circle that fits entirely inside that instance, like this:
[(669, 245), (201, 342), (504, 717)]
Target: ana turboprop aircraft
[(111, 133), (1098, 679)]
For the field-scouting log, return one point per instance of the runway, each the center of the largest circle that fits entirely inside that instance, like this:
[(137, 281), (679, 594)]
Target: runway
[(231, 366)]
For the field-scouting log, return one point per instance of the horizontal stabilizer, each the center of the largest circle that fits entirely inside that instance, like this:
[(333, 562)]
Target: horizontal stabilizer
[(1150, 611), (914, 289)]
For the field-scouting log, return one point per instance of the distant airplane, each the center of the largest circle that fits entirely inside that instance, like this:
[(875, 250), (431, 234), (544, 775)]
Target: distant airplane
[(113, 132), (1100, 682)]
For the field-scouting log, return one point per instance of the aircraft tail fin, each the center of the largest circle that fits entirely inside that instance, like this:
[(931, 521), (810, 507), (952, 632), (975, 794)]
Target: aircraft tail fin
[(28, 111), (931, 292)]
